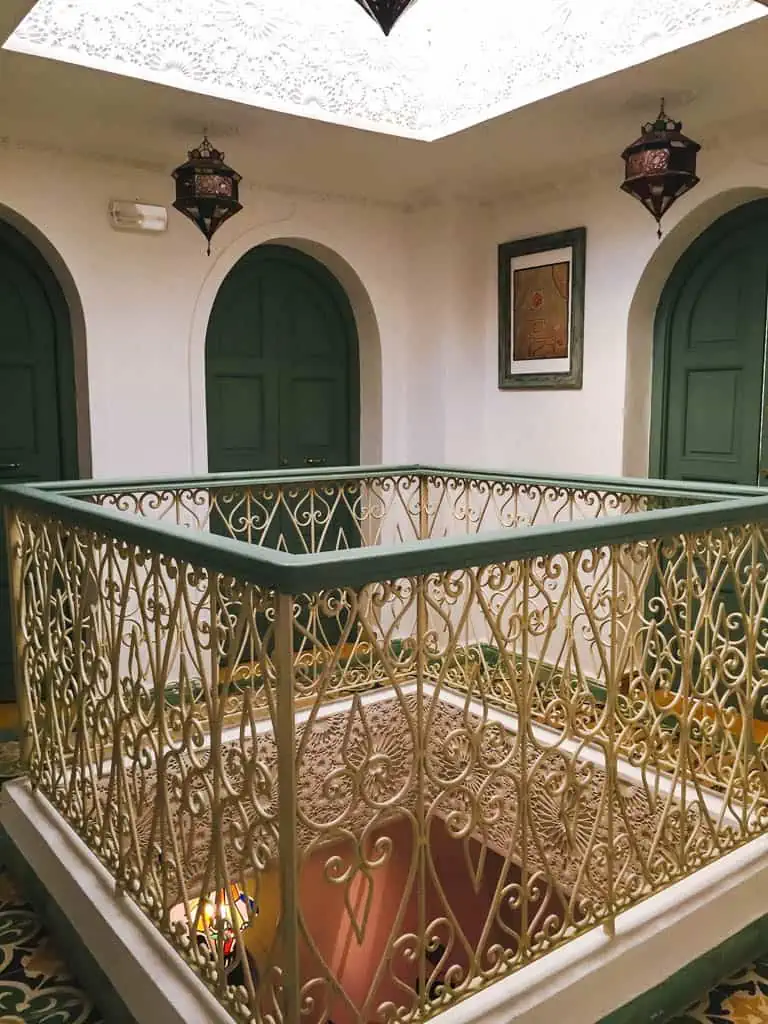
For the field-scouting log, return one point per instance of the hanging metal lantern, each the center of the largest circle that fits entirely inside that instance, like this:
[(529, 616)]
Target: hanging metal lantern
[(386, 12), (660, 166), (206, 189)]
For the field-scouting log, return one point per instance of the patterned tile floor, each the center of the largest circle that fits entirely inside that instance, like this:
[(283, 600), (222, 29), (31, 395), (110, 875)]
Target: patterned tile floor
[(35, 985), (742, 999), (36, 988)]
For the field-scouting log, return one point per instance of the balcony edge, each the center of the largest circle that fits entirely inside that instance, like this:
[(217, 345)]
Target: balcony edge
[(148, 977)]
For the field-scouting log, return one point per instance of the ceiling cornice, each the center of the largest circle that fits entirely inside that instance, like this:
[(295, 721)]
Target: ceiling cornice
[(749, 130), (155, 167), (547, 184)]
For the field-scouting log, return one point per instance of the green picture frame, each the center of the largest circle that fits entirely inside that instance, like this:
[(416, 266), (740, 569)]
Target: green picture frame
[(542, 350)]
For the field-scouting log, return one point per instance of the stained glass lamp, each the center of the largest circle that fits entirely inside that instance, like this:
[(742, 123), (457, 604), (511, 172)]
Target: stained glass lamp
[(235, 912)]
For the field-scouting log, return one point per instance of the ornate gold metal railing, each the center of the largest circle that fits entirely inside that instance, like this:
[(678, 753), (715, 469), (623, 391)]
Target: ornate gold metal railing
[(364, 743), (303, 514)]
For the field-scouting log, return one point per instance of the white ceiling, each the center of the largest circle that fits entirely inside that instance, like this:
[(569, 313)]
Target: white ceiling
[(448, 65), (51, 106)]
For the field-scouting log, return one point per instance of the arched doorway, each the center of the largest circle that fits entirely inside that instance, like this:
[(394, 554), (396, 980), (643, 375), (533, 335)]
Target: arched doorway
[(282, 366), (38, 419), (707, 420)]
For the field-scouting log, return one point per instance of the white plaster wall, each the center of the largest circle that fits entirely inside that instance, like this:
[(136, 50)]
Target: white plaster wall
[(146, 300), (449, 385), (423, 286), (603, 428), (569, 431)]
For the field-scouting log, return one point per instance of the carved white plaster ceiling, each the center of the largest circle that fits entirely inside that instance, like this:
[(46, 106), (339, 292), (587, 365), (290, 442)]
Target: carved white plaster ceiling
[(356, 772), (448, 64)]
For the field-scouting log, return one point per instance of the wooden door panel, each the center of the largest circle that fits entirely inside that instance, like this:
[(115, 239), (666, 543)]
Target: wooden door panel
[(713, 426), (282, 380), (30, 407), (711, 337), (716, 355), (720, 292), (243, 405), (281, 366), (314, 419)]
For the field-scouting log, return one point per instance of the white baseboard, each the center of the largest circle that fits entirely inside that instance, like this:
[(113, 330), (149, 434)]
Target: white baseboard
[(594, 975), (580, 983)]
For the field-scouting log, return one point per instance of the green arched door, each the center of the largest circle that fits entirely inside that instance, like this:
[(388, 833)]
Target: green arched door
[(709, 356), (38, 432), (282, 377)]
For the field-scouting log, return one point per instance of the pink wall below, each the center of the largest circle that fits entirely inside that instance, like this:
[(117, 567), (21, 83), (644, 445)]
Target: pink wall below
[(374, 963)]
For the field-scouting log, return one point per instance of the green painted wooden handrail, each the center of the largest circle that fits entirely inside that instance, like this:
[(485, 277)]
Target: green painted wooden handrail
[(625, 485), (213, 480), (311, 572)]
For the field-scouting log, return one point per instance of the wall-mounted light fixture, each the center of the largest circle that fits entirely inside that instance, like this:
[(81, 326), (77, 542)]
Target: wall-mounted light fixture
[(130, 216)]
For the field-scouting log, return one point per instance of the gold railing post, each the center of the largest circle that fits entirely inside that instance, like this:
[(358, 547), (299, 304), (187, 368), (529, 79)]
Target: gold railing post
[(286, 775), (751, 759), (421, 809), (419, 754), (423, 500), (687, 651), (522, 682), (611, 753), (15, 575)]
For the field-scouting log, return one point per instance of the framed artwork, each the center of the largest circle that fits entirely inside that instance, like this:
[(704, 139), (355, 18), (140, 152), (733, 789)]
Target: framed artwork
[(541, 311)]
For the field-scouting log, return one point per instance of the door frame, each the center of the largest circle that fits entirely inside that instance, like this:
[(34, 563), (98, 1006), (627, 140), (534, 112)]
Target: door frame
[(752, 213), (66, 378), (315, 268), (23, 251)]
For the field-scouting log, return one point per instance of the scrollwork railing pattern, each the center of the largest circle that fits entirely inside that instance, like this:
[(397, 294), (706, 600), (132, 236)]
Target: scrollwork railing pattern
[(581, 731), (309, 516), (413, 786), (127, 657), (301, 517)]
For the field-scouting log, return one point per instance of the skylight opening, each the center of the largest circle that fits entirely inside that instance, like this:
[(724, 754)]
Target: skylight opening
[(448, 64)]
